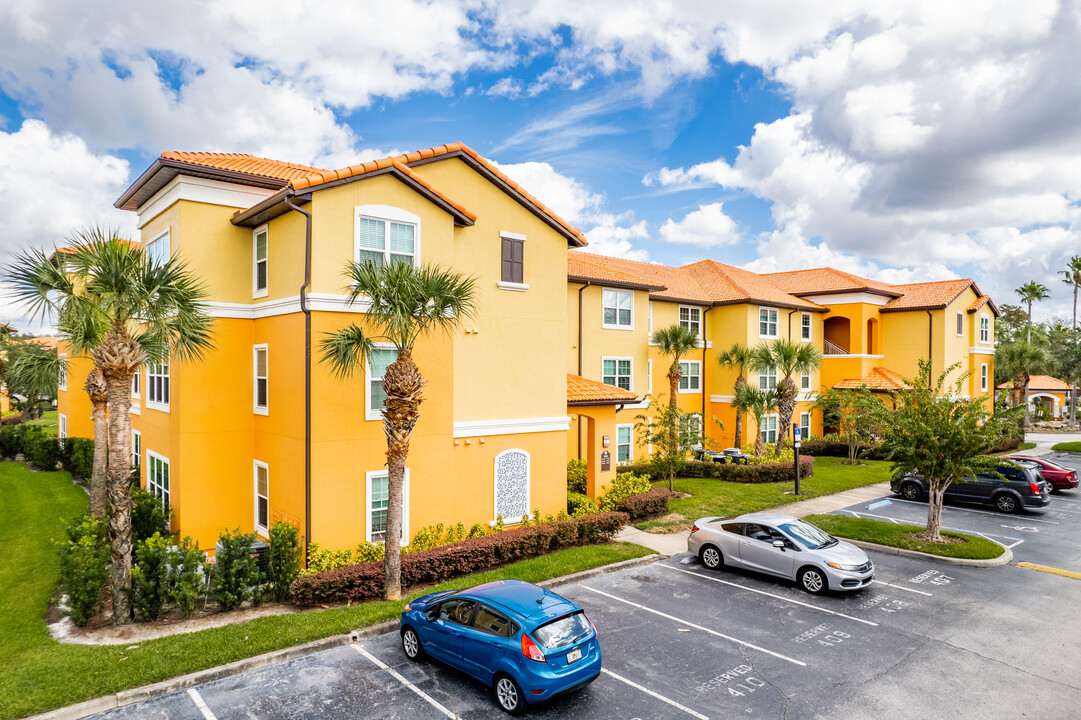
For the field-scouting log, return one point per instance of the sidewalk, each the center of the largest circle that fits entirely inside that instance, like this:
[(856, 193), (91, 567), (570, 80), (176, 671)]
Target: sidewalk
[(673, 543), (1044, 441)]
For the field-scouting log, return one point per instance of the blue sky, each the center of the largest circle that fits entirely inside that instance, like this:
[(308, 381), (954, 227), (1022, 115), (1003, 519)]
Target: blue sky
[(904, 141)]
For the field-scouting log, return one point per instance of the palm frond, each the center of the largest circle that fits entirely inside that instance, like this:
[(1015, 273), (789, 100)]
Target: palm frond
[(346, 350), (37, 283), (675, 340)]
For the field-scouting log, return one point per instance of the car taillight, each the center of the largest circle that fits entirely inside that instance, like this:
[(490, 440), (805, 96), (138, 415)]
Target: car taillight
[(694, 528), (1035, 488), (530, 649)]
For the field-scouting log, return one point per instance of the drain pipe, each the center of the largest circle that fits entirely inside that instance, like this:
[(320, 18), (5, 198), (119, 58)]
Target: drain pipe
[(580, 291), (307, 374), (702, 379), (930, 337)]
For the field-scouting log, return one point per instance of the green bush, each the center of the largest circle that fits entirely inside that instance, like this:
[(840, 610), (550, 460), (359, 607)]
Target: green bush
[(284, 558), (148, 516), (42, 450), (625, 485), (320, 560), (188, 576), (150, 576), (77, 456), (579, 504), (235, 571), (14, 439), (654, 502), (576, 476), (769, 455), (749, 474), (84, 567)]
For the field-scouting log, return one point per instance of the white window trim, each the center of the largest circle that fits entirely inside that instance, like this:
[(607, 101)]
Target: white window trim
[(162, 235), (146, 469), (649, 376), (386, 213), (985, 316), (776, 322), (650, 324), (809, 378), (808, 426), (630, 452), (256, 408), (161, 407), (961, 323), (61, 426), (776, 426), (528, 485), (137, 388), (262, 530), (616, 326), (62, 382), (617, 359), (698, 322), (137, 449), (255, 291), (768, 374), (984, 373), (370, 414), (368, 476), (810, 327), (699, 375), (504, 285)]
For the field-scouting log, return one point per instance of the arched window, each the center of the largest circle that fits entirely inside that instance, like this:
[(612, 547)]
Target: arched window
[(512, 485)]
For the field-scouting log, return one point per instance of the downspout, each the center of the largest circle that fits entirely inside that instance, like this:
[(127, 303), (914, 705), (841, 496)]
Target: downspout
[(580, 291), (703, 378), (790, 313), (930, 338), (307, 374)]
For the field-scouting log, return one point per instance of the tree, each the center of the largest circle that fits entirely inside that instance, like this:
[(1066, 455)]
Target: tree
[(788, 358), (857, 413), (1020, 361), (1010, 325), (669, 428), (33, 371), (98, 391), (739, 358), (1030, 292), (938, 433), (123, 310), (1072, 276), (758, 403), (404, 303)]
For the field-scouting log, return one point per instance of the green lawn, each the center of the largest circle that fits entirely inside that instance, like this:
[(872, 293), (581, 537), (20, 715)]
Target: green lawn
[(897, 536), (1067, 447), (717, 497), (38, 674), (48, 421)]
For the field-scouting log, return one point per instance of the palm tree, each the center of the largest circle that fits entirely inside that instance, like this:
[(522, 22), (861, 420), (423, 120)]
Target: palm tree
[(788, 358), (739, 358), (34, 373), (405, 302), (1072, 277), (1030, 292), (1020, 361), (674, 341), (98, 391), (121, 309), (758, 403)]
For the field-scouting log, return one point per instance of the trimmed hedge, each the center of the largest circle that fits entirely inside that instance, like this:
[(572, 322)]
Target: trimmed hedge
[(365, 581), (749, 474), (836, 448), (654, 502), (77, 456)]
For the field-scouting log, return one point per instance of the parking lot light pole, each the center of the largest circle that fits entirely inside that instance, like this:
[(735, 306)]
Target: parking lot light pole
[(795, 446)]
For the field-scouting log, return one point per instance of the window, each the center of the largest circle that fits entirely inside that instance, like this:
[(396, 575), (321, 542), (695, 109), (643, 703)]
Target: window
[(767, 322), (805, 381), (804, 327), (512, 485), (136, 448), (63, 379), (261, 382), (618, 309), (769, 429), (691, 318), (693, 423), (489, 621), (616, 372), (136, 384), (157, 477), (61, 427), (624, 441), (649, 377), (157, 250), (650, 318), (378, 501), (691, 378), (259, 263), (983, 377), (378, 362), (767, 379), (386, 235), (157, 386), (985, 328), (960, 324), (805, 425), (262, 498), (511, 258)]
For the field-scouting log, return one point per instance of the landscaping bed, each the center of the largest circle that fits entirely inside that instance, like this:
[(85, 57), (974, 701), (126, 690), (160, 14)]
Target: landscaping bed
[(730, 472), (905, 537), (1065, 447)]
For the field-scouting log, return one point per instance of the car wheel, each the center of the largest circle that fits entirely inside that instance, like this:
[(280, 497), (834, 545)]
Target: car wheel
[(1051, 488), (911, 491), (1006, 503), (812, 580), (411, 644), (711, 557), (508, 695)]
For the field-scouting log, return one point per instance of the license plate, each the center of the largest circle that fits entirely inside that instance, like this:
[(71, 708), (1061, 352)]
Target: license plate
[(574, 655)]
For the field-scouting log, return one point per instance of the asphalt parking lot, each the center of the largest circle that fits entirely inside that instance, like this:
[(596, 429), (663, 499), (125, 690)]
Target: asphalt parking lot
[(925, 640)]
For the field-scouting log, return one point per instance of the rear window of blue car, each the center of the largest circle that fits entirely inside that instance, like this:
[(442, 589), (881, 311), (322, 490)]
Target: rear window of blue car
[(562, 631)]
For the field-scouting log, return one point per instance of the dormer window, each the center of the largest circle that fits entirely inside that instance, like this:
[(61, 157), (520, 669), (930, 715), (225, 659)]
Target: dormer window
[(385, 234), (259, 283)]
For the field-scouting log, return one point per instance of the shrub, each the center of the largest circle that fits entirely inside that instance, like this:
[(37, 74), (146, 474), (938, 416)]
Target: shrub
[(654, 502), (235, 571), (77, 456), (84, 567), (150, 576), (148, 516), (42, 450), (15, 438), (750, 474), (576, 476), (365, 581), (625, 485), (368, 552), (320, 560), (579, 504), (188, 576), (769, 455), (284, 558), (832, 446)]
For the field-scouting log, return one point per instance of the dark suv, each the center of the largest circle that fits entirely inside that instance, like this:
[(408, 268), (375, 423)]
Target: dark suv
[(1021, 488)]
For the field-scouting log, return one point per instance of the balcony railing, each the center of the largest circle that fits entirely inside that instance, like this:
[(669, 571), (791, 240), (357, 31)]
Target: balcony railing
[(833, 349)]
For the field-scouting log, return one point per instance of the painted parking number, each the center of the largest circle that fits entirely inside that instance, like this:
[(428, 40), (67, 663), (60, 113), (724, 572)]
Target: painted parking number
[(932, 577)]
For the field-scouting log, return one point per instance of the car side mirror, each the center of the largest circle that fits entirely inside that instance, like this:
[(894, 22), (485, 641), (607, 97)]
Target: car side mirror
[(430, 616), (778, 544)]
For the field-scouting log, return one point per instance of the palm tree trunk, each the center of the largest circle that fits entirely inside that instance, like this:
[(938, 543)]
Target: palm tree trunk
[(786, 406), (1028, 337), (674, 374), (1075, 306), (759, 443), (403, 384), (739, 415), (99, 401)]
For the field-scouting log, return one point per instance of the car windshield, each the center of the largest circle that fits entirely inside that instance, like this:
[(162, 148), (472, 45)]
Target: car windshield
[(566, 630), (808, 535)]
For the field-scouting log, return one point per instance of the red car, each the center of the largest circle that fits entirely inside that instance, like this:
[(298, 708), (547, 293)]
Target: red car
[(1059, 477)]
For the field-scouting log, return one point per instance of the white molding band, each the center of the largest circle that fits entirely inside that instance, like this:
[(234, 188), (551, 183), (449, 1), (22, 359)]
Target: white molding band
[(322, 302), (698, 344), (808, 397), (211, 192), (853, 355), (511, 235), (982, 351), (520, 426), (851, 299), (504, 285)]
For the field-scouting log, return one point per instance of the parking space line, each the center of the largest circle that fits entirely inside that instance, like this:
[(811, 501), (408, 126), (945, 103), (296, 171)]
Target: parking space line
[(1052, 570), (696, 627), (397, 676), (198, 700), (1027, 518), (902, 587), (985, 536), (769, 594), (883, 517), (660, 697)]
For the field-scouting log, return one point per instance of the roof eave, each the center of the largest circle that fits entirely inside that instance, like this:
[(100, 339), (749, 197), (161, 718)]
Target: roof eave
[(612, 283), (590, 403), (133, 198)]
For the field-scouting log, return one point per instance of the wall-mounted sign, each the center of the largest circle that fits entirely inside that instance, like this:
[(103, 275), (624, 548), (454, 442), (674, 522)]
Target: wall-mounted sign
[(606, 460)]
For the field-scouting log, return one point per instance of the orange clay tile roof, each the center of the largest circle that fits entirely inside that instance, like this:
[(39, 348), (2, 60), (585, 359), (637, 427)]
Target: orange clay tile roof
[(1041, 382), (579, 267), (459, 147), (820, 281), (72, 249), (47, 341), (878, 379), (581, 391), (240, 162), (927, 296)]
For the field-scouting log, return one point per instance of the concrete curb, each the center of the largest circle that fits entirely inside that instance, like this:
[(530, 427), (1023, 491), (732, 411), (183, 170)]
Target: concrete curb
[(165, 687), (1004, 559)]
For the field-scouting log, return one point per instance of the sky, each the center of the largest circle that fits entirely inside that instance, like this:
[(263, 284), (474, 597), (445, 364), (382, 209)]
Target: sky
[(901, 140)]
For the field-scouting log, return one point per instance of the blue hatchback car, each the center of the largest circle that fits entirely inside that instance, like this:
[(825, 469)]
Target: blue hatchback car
[(526, 643)]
